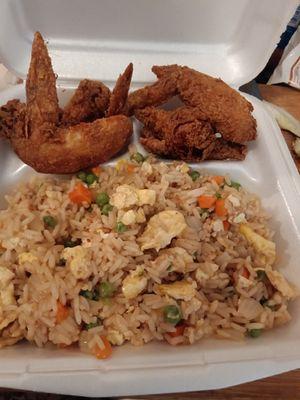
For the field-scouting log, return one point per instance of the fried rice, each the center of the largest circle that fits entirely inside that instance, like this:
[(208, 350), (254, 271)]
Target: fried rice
[(151, 265)]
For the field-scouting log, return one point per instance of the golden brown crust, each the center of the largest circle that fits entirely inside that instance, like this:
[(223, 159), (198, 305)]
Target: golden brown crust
[(44, 145), (228, 111), (89, 102), (185, 134), (77, 147), (181, 133), (152, 95), (224, 150), (12, 118), (119, 94), (42, 101)]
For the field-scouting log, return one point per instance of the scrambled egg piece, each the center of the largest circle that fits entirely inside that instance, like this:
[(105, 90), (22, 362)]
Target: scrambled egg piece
[(184, 168), (120, 164), (235, 201), (240, 218), (140, 216), (261, 245), (218, 226), (205, 271), (146, 196), (27, 257), (131, 217), (124, 197), (78, 260), (161, 229), (176, 257), (6, 287), (179, 252), (146, 168), (115, 337), (178, 290), (128, 218), (127, 196), (134, 283), (281, 284)]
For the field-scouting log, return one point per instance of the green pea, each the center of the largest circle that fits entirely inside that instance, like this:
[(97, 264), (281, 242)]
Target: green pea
[(82, 176), (106, 289), (137, 157), (254, 333), (91, 325), (261, 275), (120, 227), (90, 294), (102, 199), (235, 185), (49, 221), (172, 314), (90, 179), (105, 210), (194, 175), (72, 243), (61, 262)]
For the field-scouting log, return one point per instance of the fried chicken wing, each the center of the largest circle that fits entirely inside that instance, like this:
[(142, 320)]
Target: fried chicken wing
[(89, 102), (76, 147), (153, 95), (183, 133), (224, 150), (39, 140), (12, 118), (228, 112), (119, 95)]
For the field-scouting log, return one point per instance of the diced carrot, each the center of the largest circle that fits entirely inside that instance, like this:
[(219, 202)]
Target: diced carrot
[(220, 208), (62, 312), (206, 201), (80, 194), (104, 352), (96, 171), (245, 273), (130, 168), (179, 330), (226, 225), (219, 179)]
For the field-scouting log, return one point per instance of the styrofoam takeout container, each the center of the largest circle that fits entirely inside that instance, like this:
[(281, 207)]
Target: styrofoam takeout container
[(97, 39)]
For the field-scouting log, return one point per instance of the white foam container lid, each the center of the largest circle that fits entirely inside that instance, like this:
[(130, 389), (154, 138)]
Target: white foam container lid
[(97, 39)]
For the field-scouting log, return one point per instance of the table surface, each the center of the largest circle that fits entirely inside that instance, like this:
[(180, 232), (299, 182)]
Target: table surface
[(284, 386)]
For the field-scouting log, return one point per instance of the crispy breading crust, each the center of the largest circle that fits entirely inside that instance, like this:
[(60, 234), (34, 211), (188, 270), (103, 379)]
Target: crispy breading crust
[(47, 147), (119, 95), (89, 102), (228, 112)]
